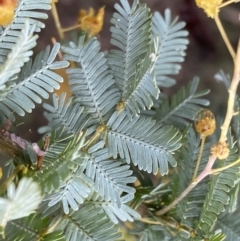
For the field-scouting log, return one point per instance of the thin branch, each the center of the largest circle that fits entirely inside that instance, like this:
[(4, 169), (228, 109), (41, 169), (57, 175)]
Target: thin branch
[(199, 158), (201, 176), (227, 3), (71, 28), (231, 99), (56, 20), (177, 200), (217, 170), (224, 36)]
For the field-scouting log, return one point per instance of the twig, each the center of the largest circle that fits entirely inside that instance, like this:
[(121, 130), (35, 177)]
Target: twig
[(231, 99), (227, 3), (201, 176), (217, 170), (71, 28), (56, 20), (224, 36), (177, 200), (199, 158)]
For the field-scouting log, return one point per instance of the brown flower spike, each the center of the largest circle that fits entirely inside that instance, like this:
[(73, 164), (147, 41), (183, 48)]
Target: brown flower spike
[(205, 123)]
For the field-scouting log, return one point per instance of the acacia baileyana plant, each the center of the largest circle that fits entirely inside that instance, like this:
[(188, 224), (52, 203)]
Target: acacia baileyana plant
[(106, 150)]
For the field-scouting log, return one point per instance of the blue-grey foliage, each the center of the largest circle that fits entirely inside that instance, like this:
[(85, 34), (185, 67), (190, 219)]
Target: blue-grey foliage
[(103, 142)]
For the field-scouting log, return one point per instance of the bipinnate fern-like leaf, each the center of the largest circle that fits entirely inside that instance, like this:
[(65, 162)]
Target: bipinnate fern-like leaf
[(190, 207), (172, 44), (113, 210), (73, 192), (229, 224), (110, 177), (20, 53), (24, 11), (31, 228), (217, 236), (89, 223), (56, 166), (143, 142), (87, 179), (64, 113), (143, 88), (133, 63), (217, 197), (131, 34), (107, 178), (91, 83), (75, 189), (21, 201), (34, 83), (182, 106)]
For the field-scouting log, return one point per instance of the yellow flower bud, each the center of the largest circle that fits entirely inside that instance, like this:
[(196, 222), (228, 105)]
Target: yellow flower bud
[(7, 11), (220, 150), (91, 22), (205, 123)]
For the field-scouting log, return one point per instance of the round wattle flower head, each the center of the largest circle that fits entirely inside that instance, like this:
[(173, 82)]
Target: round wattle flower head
[(7, 8), (220, 150), (91, 22), (210, 7), (205, 123)]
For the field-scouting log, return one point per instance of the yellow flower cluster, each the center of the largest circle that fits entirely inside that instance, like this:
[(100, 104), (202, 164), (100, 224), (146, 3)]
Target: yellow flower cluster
[(220, 150), (90, 22), (205, 123), (210, 7), (7, 11)]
